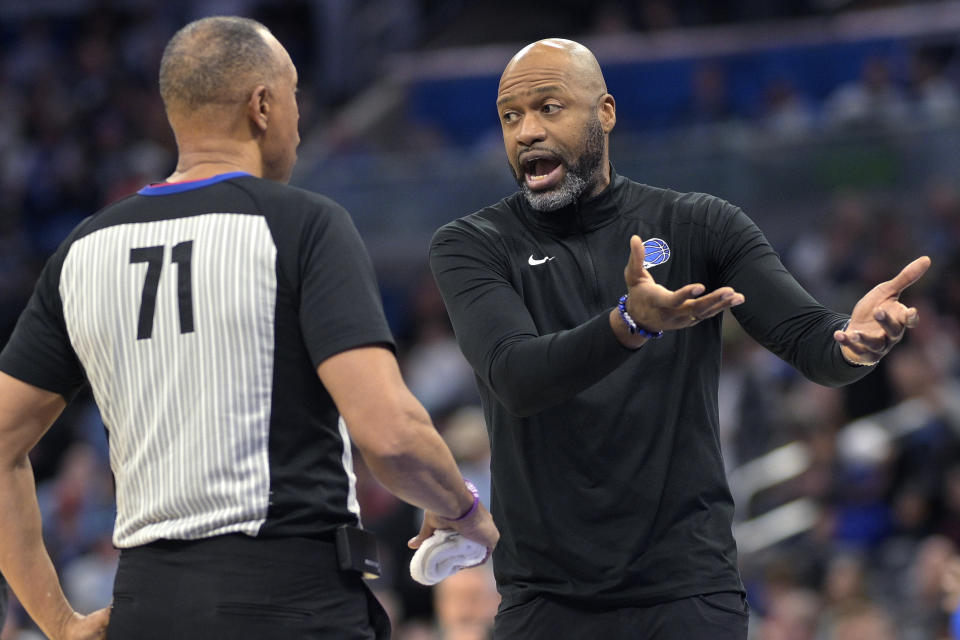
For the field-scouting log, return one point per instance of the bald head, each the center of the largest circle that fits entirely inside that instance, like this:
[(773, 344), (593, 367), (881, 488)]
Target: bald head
[(556, 116), (216, 61), (572, 59)]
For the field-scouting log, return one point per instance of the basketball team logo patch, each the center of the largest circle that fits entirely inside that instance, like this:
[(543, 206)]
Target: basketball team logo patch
[(655, 251)]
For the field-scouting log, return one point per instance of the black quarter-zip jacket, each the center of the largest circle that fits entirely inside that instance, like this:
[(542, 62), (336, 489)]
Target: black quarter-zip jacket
[(608, 482)]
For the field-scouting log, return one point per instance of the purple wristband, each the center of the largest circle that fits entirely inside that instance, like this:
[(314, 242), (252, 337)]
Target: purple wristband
[(473, 507)]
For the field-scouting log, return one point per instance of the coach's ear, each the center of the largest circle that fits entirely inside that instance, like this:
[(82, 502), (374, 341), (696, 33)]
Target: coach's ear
[(607, 112)]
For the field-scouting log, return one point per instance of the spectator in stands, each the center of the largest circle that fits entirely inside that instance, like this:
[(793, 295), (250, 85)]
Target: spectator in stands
[(919, 612), (951, 595), (786, 114), (466, 604), (863, 621), (936, 98), (873, 99), (793, 615), (709, 97)]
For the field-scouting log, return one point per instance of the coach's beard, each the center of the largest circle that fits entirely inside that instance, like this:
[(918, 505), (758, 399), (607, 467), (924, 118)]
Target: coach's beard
[(577, 178)]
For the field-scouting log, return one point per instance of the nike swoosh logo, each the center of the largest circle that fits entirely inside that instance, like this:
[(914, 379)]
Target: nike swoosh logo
[(534, 262)]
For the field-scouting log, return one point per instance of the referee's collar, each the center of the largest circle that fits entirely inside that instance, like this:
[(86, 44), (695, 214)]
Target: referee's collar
[(166, 188)]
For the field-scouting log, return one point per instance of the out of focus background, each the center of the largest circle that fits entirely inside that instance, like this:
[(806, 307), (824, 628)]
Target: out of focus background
[(835, 124)]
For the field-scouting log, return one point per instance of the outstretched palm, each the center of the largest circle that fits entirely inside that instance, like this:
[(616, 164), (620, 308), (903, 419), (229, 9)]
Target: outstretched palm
[(656, 308), (879, 319)]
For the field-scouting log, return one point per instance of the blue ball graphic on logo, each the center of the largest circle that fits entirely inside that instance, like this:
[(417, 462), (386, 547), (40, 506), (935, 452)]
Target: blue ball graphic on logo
[(655, 251)]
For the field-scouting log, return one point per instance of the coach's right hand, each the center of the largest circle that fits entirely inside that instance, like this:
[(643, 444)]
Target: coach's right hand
[(478, 527), (91, 627), (656, 308)]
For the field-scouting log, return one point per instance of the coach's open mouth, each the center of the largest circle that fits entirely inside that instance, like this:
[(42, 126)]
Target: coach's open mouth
[(541, 170)]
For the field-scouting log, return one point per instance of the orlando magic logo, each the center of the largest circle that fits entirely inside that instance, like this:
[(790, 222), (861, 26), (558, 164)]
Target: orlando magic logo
[(655, 251)]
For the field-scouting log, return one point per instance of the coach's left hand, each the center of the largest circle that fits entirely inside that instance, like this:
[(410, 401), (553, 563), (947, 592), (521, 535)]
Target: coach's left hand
[(879, 319)]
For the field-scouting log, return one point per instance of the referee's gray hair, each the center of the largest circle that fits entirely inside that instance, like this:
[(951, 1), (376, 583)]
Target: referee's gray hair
[(215, 61)]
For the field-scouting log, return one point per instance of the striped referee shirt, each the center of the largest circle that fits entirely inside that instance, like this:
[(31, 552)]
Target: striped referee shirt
[(198, 313)]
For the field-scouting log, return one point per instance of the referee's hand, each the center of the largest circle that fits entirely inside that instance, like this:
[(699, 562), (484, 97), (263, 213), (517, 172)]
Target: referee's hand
[(478, 527), (91, 627)]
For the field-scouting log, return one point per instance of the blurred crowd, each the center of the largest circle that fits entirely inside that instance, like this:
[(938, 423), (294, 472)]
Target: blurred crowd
[(482, 21), (884, 466), (83, 126), (889, 92)]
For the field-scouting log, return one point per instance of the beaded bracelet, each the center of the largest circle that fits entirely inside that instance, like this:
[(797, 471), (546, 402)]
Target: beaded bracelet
[(473, 507), (632, 326)]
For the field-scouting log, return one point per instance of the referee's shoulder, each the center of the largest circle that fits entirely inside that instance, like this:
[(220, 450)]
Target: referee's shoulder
[(95, 221), (264, 191)]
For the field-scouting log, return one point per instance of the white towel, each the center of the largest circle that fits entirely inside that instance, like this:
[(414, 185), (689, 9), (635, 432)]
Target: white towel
[(442, 555)]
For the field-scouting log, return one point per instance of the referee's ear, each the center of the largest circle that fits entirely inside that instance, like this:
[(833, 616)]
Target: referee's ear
[(258, 107)]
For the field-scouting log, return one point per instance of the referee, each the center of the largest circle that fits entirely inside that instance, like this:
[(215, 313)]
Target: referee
[(231, 331)]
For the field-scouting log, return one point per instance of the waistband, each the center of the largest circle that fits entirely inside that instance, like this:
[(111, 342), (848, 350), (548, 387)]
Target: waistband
[(234, 545)]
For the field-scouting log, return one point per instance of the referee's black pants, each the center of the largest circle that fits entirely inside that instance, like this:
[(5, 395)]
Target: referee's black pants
[(239, 588), (714, 616)]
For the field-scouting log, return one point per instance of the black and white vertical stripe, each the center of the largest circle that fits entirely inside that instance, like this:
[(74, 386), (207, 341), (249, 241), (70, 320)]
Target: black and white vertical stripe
[(188, 411), (353, 505)]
